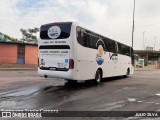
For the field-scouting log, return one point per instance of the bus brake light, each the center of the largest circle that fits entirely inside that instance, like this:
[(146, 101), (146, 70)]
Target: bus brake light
[(71, 63), (38, 62)]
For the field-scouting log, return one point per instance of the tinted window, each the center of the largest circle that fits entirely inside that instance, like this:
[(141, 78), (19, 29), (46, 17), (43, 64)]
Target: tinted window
[(86, 38), (124, 50), (65, 29), (110, 45), (90, 39), (93, 41), (82, 37), (119, 48)]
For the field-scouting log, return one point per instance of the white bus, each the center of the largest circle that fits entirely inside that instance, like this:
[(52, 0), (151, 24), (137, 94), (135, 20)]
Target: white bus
[(68, 51)]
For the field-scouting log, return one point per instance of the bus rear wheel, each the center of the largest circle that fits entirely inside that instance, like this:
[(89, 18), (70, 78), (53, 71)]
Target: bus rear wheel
[(98, 77), (127, 74)]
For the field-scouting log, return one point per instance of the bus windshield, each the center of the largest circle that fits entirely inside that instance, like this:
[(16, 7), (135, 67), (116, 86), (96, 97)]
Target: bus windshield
[(55, 31)]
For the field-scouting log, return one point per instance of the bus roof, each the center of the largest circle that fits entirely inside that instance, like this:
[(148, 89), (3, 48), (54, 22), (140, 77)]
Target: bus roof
[(83, 28), (57, 23)]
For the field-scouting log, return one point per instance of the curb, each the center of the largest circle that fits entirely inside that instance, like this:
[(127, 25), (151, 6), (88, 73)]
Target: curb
[(12, 69), (145, 69)]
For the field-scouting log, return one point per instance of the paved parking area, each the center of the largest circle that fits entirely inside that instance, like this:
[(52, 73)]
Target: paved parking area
[(139, 92)]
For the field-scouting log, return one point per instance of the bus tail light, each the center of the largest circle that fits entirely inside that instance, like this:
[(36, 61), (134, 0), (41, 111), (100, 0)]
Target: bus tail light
[(38, 62), (71, 63)]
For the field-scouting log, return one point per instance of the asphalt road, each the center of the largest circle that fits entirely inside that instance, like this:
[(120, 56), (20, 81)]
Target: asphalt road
[(139, 92)]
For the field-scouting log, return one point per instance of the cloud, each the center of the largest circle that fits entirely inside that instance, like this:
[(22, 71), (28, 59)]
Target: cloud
[(111, 18)]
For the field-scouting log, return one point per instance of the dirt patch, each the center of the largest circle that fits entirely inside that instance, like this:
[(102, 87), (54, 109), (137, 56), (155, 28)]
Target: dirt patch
[(4, 66)]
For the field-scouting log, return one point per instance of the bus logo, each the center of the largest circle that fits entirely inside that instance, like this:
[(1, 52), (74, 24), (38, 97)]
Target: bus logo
[(6, 115), (42, 62), (54, 32), (99, 57)]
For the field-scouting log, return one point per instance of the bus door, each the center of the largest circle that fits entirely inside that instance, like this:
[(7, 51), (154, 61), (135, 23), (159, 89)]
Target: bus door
[(114, 60)]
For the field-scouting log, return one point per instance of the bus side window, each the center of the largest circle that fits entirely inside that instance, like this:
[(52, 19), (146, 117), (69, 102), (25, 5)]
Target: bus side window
[(82, 37), (111, 46), (93, 41), (128, 51), (116, 47), (119, 48), (123, 49), (86, 39), (79, 36), (106, 44)]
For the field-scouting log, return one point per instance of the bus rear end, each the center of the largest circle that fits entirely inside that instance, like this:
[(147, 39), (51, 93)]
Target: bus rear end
[(55, 51)]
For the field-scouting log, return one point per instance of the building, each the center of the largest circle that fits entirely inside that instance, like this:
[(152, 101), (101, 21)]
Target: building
[(149, 48), (18, 53), (148, 55)]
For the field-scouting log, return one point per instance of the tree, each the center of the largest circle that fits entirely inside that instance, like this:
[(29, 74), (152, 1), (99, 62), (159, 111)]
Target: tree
[(9, 38), (29, 34)]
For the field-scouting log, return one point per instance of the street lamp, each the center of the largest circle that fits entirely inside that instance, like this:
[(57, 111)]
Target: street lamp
[(133, 23)]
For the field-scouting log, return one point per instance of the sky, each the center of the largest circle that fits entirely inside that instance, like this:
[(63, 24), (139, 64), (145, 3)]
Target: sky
[(111, 18)]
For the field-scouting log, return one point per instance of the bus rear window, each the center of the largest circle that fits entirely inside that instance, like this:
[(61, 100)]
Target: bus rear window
[(55, 31)]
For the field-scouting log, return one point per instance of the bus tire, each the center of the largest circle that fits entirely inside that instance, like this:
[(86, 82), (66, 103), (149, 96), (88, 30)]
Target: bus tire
[(127, 73), (98, 77)]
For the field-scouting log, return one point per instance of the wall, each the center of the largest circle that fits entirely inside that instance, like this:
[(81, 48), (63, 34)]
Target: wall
[(8, 53), (31, 54)]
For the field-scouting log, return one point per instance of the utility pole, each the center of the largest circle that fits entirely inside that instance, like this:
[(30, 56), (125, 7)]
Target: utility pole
[(155, 42), (143, 41), (133, 23)]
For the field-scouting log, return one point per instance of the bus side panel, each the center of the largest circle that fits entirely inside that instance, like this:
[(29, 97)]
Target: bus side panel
[(107, 66), (122, 65), (124, 62), (85, 65), (115, 67)]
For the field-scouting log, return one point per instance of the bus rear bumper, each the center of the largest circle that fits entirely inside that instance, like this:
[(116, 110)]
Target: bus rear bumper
[(57, 74)]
